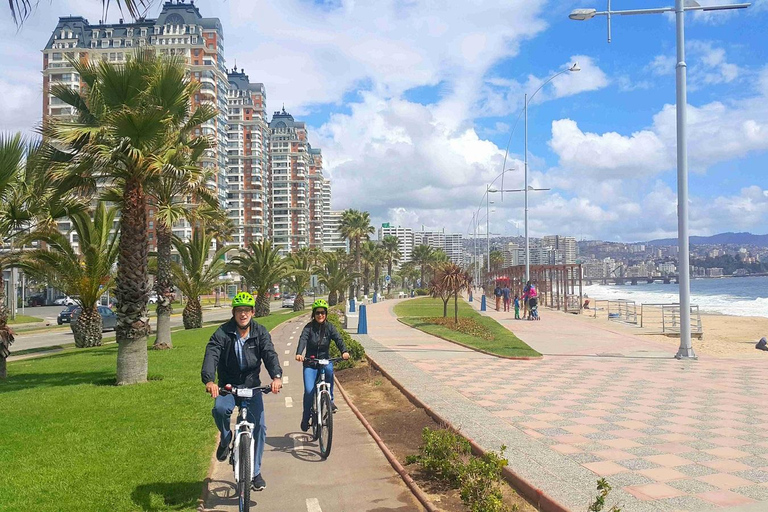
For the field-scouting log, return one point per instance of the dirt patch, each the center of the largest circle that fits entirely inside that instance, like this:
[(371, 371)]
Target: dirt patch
[(399, 424)]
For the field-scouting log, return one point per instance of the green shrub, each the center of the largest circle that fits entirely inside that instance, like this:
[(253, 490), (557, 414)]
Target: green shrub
[(356, 350), (480, 479), (465, 325), (421, 291), (441, 454), (603, 488)]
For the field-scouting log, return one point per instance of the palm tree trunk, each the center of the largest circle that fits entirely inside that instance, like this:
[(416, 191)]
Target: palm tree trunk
[(163, 287), (298, 302), (132, 289), (357, 266), (422, 276), (87, 328), (6, 333), (456, 307), (332, 298), (193, 314), (366, 284), (262, 304), (376, 275), (389, 273)]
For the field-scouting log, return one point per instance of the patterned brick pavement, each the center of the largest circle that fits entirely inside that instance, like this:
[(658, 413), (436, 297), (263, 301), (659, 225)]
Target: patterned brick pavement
[(666, 434)]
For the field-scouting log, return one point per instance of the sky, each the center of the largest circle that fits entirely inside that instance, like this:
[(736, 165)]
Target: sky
[(415, 104)]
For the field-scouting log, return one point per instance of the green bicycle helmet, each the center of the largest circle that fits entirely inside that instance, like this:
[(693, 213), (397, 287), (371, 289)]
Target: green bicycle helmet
[(243, 299), (319, 303)]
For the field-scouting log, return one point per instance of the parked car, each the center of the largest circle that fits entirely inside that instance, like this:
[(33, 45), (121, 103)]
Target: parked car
[(108, 317), (152, 298), (64, 301), (65, 316), (36, 300), (288, 302)]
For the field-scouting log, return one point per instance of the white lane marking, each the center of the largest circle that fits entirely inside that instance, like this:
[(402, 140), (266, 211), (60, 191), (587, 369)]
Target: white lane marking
[(285, 363), (287, 352), (313, 505), (285, 380), (289, 344), (288, 401), (291, 337)]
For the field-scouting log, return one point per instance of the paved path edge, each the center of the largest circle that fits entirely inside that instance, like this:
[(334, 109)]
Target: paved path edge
[(539, 498), (412, 485), (470, 347)]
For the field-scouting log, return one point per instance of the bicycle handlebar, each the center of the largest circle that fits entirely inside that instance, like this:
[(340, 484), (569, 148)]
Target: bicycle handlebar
[(317, 362), (244, 392)]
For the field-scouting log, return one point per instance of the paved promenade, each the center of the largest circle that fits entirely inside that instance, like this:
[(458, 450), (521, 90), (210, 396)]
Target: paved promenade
[(668, 435)]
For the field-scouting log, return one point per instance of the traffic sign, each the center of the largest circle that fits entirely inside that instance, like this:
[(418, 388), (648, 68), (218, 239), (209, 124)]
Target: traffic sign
[(387, 279)]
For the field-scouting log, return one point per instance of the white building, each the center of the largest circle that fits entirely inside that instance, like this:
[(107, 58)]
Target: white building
[(564, 247), (405, 240), (332, 237), (451, 244)]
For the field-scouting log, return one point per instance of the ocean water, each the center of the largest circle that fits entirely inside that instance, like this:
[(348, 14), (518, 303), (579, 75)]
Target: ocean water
[(739, 296)]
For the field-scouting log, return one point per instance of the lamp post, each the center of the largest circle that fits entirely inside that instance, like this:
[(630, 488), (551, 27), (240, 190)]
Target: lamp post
[(574, 68), (488, 191), (686, 348)]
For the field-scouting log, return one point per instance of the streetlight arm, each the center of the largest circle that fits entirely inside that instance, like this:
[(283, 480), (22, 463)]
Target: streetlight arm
[(660, 10)]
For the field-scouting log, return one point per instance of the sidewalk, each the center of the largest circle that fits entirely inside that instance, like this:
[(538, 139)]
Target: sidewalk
[(356, 477), (667, 434)]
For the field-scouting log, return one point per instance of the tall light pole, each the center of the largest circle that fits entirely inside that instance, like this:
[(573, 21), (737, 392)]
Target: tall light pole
[(686, 348), (575, 67), (488, 202)]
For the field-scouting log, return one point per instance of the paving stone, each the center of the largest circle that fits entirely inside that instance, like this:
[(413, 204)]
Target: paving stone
[(653, 431), (552, 432), (699, 456), (584, 458), (650, 441), (756, 492), (620, 480), (754, 461), (637, 464), (687, 503), (644, 451), (599, 436), (754, 449), (691, 486), (695, 470), (755, 475), (700, 445)]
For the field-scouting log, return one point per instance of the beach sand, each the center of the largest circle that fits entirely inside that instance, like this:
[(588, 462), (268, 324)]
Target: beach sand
[(724, 336)]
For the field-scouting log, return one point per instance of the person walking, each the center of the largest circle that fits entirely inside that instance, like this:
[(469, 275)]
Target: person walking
[(236, 351), (497, 293), (517, 307), (506, 295)]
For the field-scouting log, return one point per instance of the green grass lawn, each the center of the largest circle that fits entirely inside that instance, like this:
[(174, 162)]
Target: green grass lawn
[(415, 312), (24, 319), (72, 440)]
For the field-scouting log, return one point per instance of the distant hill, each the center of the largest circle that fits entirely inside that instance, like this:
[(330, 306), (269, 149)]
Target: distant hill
[(722, 238)]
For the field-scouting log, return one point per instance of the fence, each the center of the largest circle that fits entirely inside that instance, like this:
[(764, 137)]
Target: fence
[(666, 318), (618, 310)]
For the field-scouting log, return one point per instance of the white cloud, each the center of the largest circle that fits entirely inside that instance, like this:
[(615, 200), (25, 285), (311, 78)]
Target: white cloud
[(662, 65)]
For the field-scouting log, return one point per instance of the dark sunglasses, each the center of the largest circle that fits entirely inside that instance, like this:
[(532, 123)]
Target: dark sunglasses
[(319, 312)]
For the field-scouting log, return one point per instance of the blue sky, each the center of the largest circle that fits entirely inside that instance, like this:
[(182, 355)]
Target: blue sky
[(412, 104)]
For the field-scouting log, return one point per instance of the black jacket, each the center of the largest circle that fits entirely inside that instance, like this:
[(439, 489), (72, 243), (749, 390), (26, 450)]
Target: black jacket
[(316, 339), (220, 356)]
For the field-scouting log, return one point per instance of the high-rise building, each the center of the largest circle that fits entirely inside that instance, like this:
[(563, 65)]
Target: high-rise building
[(332, 237), (404, 240), (289, 176), (179, 30), (565, 248), (451, 244), (248, 159), (317, 192)]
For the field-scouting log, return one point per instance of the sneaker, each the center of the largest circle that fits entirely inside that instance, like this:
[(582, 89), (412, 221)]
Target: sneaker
[(258, 483), (304, 425), (222, 451), (334, 408)]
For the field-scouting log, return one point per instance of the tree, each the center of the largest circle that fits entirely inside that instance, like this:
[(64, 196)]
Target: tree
[(222, 228), (127, 116), (422, 256), (261, 265), (369, 256), (408, 273), (196, 274), (22, 9), (391, 247), (437, 288), (332, 274), (496, 260), (84, 272), (356, 226), (298, 281)]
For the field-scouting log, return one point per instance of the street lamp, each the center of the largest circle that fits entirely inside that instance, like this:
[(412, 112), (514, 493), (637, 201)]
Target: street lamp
[(574, 68), (686, 348), (488, 191)]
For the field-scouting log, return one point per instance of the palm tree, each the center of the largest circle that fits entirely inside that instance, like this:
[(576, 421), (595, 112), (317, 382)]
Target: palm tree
[(222, 228), (368, 256), (496, 260), (422, 256), (170, 192), (408, 273), (356, 226), (334, 276), (391, 247), (128, 116), (298, 281), (22, 9), (261, 265), (378, 258), (84, 271), (196, 274)]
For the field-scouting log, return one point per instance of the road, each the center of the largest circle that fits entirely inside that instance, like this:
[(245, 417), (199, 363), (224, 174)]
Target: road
[(55, 336), (355, 478)]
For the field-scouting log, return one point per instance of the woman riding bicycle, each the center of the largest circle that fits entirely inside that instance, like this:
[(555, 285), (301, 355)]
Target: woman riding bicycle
[(316, 340)]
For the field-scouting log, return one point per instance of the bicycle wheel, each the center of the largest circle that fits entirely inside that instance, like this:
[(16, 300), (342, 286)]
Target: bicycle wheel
[(244, 484), (326, 428), (313, 417)]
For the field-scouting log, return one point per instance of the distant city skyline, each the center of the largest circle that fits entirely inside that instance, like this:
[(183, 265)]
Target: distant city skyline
[(413, 119)]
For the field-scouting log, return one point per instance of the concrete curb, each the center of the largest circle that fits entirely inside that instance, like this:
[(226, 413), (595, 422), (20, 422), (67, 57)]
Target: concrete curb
[(512, 358), (539, 498), (412, 485)]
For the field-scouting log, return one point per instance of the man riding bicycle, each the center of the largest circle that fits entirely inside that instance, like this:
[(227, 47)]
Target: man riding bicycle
[(316, 339), (236, 351)]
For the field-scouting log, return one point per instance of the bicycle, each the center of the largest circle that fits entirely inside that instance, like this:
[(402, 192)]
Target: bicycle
[(322, 423), (243, 447)]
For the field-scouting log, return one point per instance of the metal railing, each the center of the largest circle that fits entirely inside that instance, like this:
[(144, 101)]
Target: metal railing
[(666, 318)]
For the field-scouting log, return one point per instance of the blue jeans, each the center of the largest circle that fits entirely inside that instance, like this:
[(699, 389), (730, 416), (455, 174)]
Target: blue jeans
[(222, 411), (310, 378)]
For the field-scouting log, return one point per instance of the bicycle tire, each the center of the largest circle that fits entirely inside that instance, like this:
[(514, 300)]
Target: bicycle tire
[(313, 417), (244, 485), (325, 433)]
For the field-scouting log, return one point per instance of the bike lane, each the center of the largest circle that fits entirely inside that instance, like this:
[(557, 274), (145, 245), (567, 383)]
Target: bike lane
[(355, 477)]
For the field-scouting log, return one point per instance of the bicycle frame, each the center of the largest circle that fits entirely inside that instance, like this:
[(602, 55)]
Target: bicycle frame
[(321, 387), (243, 428)]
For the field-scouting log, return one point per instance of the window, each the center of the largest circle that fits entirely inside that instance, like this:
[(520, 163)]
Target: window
[(116, 43), (56, 56)]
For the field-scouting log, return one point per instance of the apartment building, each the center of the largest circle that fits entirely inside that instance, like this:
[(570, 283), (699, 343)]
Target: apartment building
[(289, 174), (405, 242), (248, 159), (317, 191), (451, 244), (564, 247), (179, 30), (332, 237)]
